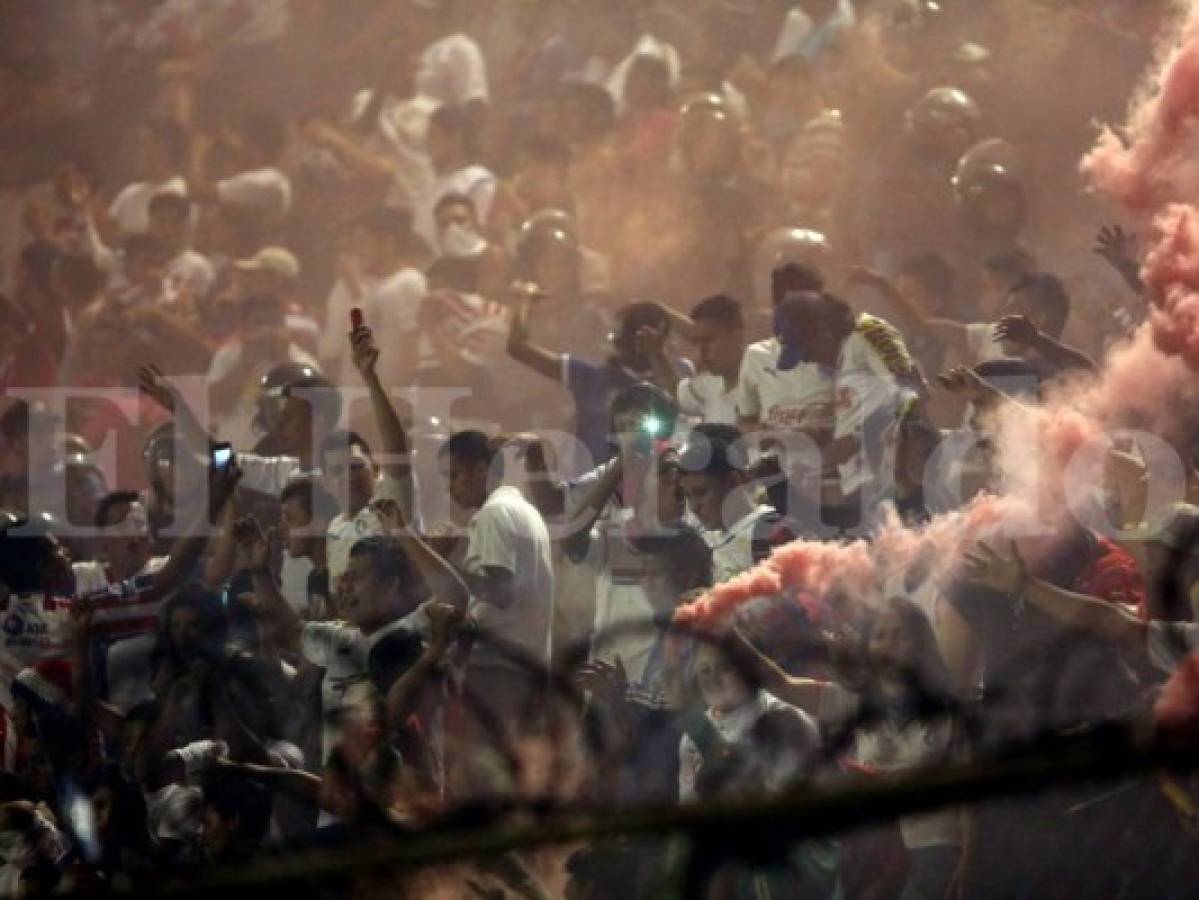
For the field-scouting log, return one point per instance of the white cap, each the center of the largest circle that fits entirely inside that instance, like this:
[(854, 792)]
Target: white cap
[(278, 260)]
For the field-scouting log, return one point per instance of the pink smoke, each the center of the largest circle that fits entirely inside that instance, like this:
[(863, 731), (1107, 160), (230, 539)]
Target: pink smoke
[(1152, 170)]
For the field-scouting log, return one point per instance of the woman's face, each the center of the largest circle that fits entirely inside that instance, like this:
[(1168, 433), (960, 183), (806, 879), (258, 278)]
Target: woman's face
[(890, 646), (721, 686), (185, 631)]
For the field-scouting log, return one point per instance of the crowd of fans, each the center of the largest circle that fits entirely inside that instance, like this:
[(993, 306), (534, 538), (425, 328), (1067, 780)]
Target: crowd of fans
[(380, 377)]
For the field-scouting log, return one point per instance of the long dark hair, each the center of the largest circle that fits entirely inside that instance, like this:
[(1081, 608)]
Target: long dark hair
[(928, 685), (214, 625)]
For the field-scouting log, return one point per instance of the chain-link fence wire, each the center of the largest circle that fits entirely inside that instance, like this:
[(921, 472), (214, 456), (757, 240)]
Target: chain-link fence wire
[(1108, 829)]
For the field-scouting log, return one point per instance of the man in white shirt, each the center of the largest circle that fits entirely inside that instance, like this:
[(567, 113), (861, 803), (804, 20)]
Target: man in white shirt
[(160, 154), (189, 275), (126, 549), (718, 334), (812, 27), (783, 395), (714, 469), (448, 143), (508, 568)]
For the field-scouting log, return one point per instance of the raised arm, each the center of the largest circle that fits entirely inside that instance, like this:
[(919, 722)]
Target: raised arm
[(523, 350), (441, 578), (397, 460), (189, 547), (403, 696), (652, 342), (280, 619), (1021, 331), (154, 384), (1008, 575), (804, 693), (946, 330)]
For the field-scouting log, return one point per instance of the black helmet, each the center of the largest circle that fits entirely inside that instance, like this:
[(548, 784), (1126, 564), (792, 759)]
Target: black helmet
[(989, 189), (707, 122), (544, 230), (945, 119), (277, 385)]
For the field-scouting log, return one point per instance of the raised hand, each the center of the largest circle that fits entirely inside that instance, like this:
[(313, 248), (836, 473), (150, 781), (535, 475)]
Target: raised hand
[(867, 277), (965, 383), (391, 514), (363, 350), (254, 543), (154, 384), (443, 621), (651, 340), (1018, 330), (607, 682), (1002, 574), (1119, 249)]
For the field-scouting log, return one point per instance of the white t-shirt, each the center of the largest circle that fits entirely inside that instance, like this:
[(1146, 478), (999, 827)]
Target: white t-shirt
[(982, 344), (780, 766), (267, 190), (340, 649), (889, 747), (733, 548), (267, 474), (345, 530), (794, 399), (130, 210), (623, 617), (706, 397), (91, 577), (507, 532), (452, 70)]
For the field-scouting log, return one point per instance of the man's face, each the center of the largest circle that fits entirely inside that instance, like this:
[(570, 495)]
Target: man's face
[(467, 481), (296, 527), (185, 631), (361, 595), (556, 270), (217, 834), (721, 686), (127, 544), (169, 229), (459, 214), (658, 582), (718, 349), (351, 476), (705, 496), (915, 292), (294, 427)]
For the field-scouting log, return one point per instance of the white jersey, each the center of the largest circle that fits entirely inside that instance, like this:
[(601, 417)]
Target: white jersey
[(799, 398)]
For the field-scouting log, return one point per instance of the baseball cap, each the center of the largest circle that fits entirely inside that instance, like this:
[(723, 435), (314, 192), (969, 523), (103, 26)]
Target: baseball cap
[(277, 260)]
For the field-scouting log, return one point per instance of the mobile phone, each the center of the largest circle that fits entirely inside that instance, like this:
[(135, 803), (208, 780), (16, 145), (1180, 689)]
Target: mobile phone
[(222, 456), (356, 320)]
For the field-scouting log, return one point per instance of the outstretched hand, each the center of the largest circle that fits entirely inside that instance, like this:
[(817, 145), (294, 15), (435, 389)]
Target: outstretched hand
[(391, 514), (1003, 574), (607, 682), (154, 384), (1018, 330), (964, 382), (253, 541)]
